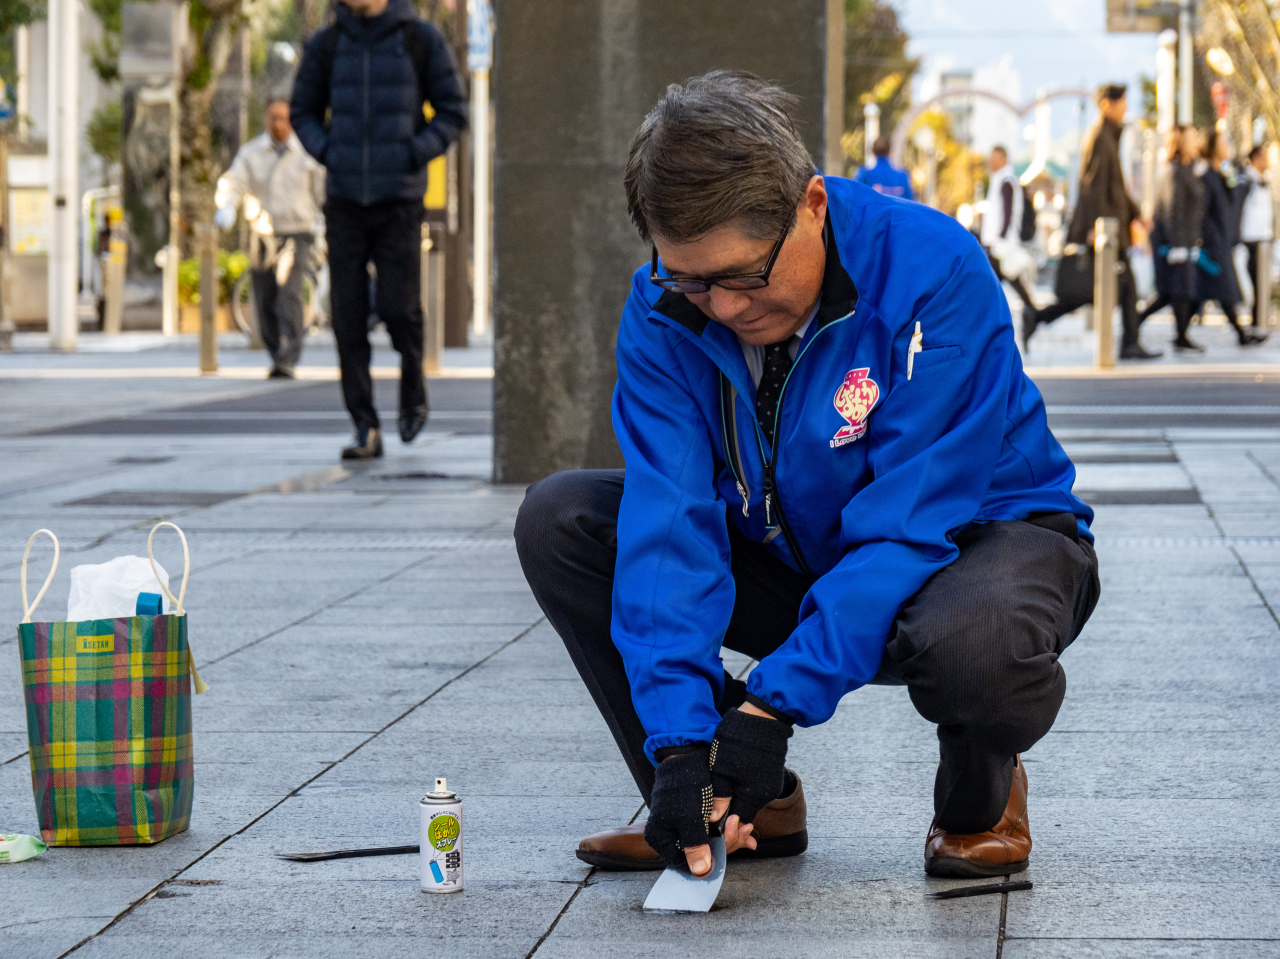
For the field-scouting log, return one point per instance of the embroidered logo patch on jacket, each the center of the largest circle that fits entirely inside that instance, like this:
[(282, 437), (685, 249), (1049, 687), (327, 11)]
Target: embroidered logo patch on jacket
[(854, 401)]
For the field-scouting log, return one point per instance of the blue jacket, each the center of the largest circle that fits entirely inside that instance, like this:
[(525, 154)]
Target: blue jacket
[(873, 473), (377, 141), (886, 178)]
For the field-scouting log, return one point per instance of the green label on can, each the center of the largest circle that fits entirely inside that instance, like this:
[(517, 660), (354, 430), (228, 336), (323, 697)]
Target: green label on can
[(444, 831)]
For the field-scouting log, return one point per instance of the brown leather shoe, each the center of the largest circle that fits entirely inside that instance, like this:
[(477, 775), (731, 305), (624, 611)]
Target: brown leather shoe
[(780, 830), (998, 852)]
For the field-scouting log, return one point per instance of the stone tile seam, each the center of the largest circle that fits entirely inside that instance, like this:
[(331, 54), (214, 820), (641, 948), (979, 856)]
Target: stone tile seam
[(338, 602), (1004, 917), (1262, 469), (151, 894), (1223, 533)]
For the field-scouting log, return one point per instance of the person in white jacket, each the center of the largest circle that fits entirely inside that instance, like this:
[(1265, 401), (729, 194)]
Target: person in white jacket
[(1256, 220), (1002, 223), (287, 189)]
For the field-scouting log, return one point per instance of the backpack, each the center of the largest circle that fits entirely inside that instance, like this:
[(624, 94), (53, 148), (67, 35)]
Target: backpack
[(414, 45), (1027, 228)]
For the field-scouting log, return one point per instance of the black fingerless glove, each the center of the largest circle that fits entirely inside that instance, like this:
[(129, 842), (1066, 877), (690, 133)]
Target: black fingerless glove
[(747, 761), (680, 805)]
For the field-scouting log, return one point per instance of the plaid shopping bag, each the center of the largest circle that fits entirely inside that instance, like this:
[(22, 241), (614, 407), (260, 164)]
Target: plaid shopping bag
[(109, 722)]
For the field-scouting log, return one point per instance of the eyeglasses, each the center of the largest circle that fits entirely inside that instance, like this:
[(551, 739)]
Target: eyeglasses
[(699, 284)]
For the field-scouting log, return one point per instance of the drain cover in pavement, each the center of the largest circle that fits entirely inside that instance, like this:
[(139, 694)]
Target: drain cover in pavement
[(155, 497)]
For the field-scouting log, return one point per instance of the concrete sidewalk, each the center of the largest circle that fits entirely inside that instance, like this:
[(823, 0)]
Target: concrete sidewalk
[(367, 630)]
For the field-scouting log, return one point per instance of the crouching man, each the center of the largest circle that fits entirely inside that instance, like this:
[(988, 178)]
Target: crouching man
[(834, 465)]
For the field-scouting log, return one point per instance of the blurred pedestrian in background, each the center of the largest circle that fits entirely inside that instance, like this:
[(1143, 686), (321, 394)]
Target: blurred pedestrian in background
[(1175, 235), (358, 106), (1102, 193), (884, 177), (288, 187), (1216, 276), (1256, 223), (1001, 234)]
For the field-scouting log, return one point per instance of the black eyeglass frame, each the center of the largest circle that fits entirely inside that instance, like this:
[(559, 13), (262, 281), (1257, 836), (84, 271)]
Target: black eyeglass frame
[(699, 284)]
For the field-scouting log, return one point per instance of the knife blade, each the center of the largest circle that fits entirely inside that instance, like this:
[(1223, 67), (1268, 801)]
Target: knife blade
[(679, 890)]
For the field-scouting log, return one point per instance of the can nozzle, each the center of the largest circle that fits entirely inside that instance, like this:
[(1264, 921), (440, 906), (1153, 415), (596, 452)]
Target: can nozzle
[(442, 785)]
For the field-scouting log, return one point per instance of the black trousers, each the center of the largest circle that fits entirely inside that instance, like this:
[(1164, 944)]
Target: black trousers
[(1127, 294), (977, 647), (1251, 249), (280, 309), (389, 235)]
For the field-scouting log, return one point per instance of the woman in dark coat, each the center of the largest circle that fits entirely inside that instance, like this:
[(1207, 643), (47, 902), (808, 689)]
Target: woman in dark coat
[(1175, 236), (1218, 232), (1174, 144)]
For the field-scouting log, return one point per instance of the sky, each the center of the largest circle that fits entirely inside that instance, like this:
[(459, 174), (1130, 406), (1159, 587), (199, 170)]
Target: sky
[(1052, 44)]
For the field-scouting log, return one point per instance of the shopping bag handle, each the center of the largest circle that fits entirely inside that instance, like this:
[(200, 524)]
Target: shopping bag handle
[(57, 551), (199, 684), (186, 567)]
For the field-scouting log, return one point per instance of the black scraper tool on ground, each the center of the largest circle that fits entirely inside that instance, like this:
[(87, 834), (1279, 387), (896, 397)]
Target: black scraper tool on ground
[(988, 890), (349, 853)]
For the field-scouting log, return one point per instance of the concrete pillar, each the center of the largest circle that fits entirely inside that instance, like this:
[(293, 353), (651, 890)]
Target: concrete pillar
[(871, 128), (1166, 74), (1185, 50), (64, 172), (572, 81)]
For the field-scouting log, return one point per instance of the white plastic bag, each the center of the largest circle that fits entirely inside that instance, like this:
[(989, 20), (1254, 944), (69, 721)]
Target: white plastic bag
[(111, 589)]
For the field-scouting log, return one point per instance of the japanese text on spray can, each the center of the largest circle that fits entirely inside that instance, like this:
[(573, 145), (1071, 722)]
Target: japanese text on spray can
[(440, 848)]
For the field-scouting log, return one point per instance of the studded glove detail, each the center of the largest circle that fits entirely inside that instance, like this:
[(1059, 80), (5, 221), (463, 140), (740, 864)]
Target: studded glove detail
[(747, 762), (680, 806)]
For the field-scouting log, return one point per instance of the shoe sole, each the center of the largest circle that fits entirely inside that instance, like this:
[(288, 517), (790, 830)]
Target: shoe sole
[(777, 847), (951, 868)]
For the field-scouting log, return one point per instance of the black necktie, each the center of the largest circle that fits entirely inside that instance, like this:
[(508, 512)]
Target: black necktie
[(777, 364)]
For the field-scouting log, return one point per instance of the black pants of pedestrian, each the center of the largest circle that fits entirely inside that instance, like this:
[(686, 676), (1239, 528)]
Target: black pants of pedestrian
[(389, 235), (1229, 311), (1183, 311), (1018, 286), (1251, 249), (1127, 294), (280, 307), (977, 647)]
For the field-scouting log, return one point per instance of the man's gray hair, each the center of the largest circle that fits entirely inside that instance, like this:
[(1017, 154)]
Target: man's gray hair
[(720, 149)]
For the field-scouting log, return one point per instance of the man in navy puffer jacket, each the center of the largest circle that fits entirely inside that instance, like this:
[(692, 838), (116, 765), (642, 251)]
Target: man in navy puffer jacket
[(835, 465), (372, 71)]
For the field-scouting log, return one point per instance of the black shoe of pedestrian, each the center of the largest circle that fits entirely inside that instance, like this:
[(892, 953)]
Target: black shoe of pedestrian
[(1137, 352), (412, 422), (367, 445), (1252, 339), (1186, 346), (1030, 320), (281, 373)]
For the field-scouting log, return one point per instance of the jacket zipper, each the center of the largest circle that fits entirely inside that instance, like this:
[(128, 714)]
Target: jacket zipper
[(733, 455), (365, 137), (774, 516)]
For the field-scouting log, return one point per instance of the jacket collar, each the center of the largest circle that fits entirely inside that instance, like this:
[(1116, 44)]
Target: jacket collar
[(837, 298)]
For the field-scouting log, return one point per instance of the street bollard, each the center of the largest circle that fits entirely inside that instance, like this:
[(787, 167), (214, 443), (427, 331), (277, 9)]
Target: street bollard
[(1262, 287), (1106, 243), (432, 292), (113, 281), (207, 244)]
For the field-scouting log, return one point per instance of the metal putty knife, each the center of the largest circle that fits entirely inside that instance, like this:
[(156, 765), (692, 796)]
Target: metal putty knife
[(679, 890)]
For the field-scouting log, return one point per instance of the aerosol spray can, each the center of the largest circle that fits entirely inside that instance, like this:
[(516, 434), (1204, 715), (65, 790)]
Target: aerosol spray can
[(441, 845)]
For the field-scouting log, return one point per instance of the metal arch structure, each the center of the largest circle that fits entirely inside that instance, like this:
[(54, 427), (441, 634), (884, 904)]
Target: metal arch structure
[(898, 141)]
